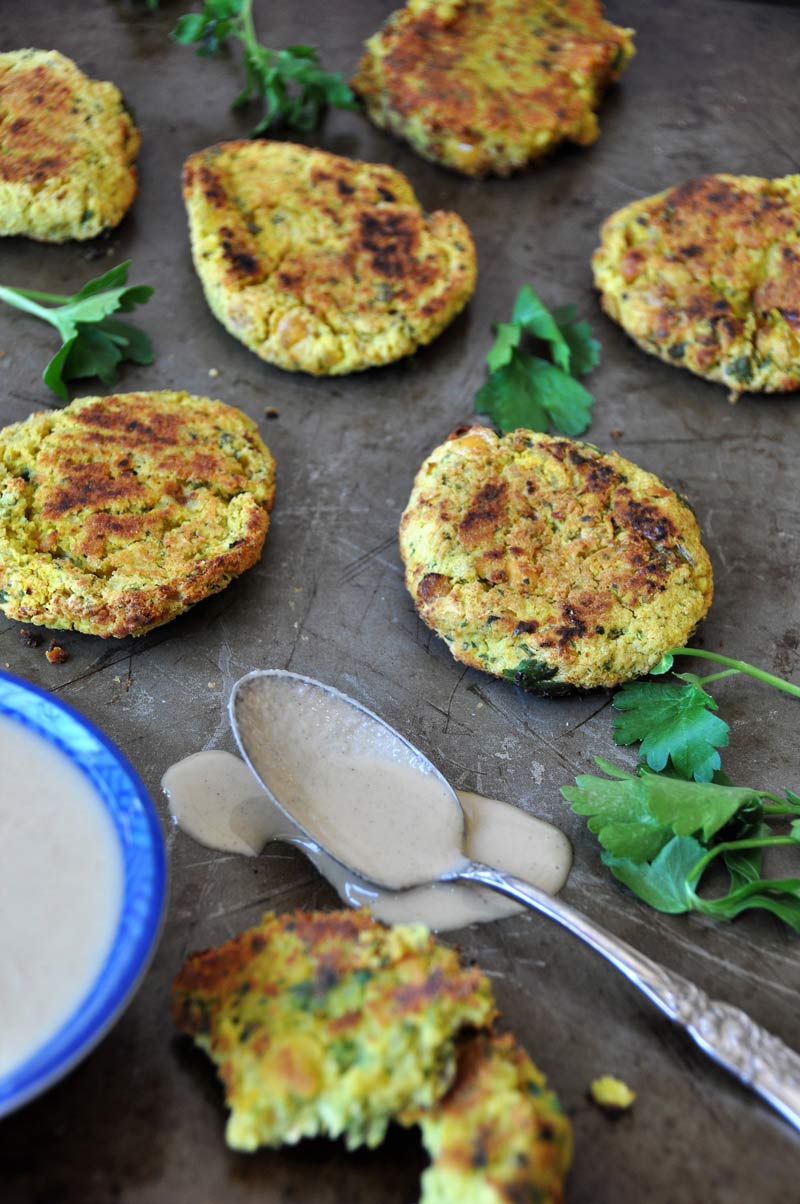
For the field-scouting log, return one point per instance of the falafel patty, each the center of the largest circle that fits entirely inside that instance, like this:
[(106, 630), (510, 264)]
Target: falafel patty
[(549, 562), (328, 1023), (68, 146), (499, 1135), (319, 263), (485, 86), (118, 513), (707, 277)]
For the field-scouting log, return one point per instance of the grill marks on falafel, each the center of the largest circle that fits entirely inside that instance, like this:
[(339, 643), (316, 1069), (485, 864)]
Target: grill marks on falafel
[(650, 535), (320, 263), (447, 77), (68, 147), (534, 547), (707, 276), (119, 513), (34, 151)]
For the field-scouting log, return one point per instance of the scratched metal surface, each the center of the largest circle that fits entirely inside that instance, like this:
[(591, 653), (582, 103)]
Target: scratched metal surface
[(713, 88)]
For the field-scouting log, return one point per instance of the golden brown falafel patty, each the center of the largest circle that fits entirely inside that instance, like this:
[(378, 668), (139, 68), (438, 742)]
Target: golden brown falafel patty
[(707, 277), (545, 560), (68, 147), (499, 1136), (488, 85), (319, 263), (328, 1023), (118, 513)]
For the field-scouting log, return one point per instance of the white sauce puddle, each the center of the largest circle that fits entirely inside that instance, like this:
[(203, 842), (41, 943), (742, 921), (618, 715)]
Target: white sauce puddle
[(216, 800), (60, 890)]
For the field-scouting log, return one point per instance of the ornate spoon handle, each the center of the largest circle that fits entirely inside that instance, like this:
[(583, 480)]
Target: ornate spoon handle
[(725, 1033)]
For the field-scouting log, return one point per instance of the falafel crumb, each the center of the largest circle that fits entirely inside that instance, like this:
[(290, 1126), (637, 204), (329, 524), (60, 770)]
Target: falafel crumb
[(611, 1094)]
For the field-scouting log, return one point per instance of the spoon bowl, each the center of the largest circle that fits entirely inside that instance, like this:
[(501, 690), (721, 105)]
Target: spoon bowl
[(354, 786), (364, 795)]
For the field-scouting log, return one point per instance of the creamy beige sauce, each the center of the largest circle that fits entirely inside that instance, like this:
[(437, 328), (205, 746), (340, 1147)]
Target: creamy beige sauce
[(60, 890), (369, 799), (215, 799)]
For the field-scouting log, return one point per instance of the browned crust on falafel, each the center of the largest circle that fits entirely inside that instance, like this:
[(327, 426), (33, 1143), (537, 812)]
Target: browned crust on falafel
[(538, 555), (319, 263), (485, 86), (121, 512), (706, 276)]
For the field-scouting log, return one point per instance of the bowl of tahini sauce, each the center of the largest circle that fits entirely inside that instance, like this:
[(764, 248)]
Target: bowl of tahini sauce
[(82, 888)]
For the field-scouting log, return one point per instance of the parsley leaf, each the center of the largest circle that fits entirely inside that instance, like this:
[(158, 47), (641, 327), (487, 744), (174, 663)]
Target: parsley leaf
[(674, 723), (637, 816), (781, 896), (663, 882), (526, 390), (660, 829), (291, 83), (583, 349), (532, 315), (93, 343), (660, 835), (502, 352), (744, 865)]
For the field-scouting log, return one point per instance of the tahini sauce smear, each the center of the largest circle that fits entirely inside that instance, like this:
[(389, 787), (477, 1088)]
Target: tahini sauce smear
[(60, 890), (215, 799)]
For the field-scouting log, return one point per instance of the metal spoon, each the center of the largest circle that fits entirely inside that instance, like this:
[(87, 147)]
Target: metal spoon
[(264, 699)]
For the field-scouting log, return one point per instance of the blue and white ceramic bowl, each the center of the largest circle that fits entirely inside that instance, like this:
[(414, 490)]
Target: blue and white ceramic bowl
[(144, 885)]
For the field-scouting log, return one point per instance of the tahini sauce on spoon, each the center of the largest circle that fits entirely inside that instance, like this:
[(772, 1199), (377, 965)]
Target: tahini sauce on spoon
[(217, 801), (366, 795)]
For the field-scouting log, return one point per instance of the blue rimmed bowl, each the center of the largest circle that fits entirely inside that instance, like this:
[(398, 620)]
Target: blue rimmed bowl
[(144, 886)]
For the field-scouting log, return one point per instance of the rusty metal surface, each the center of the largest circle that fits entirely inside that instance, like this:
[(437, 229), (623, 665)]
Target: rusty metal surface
[(713, 88)]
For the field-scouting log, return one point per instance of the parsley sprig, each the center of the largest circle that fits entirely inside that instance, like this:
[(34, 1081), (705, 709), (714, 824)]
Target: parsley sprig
[(665, 826), (93, 343), (526, 390), (291, 83), (661, 835), (676, 723)]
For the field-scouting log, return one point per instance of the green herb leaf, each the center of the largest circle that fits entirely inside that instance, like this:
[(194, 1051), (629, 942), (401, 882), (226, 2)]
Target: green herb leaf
[(135, 344), (92, 353), (661, 830), (674, 723), (530, 393), (537, 677), (619, 816), (508, 337), (53, 373), (744, 865), (93, 343), (635, 818), (524, 390), (780, 896), (532, 315), (663, 883), (291, 83), (584, 351)]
